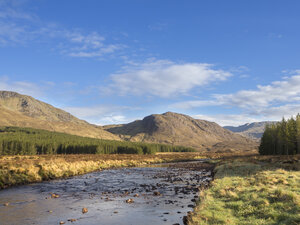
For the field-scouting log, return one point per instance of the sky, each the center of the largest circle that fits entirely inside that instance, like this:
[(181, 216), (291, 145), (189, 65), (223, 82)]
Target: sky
[(115, 61)]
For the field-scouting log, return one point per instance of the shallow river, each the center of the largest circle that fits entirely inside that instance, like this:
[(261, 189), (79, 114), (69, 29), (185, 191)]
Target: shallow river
[(161, 195)]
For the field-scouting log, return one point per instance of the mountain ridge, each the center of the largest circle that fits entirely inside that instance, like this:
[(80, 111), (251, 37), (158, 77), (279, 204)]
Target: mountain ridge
[(179, 129), (253, 130), (167, 128), (25, 111)]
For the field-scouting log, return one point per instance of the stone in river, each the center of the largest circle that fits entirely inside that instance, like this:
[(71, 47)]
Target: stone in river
[(130, 200), (84, 210), (54, 195), (156, 193)]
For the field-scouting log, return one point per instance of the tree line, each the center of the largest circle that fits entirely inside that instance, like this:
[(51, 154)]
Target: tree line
[(282, 138), (29, 141)]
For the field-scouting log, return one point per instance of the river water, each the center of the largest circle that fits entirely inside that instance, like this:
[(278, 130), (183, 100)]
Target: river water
[(161, 195)]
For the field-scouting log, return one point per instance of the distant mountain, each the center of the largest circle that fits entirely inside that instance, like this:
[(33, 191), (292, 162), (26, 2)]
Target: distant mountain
[(251, 130), (179, 129), (168, 128), (25, 111)]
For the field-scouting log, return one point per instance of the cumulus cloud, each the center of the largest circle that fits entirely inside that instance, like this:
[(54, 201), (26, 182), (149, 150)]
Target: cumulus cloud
[(165, 78), (266, 102), (284, 91), (278, 92), (278, 112)]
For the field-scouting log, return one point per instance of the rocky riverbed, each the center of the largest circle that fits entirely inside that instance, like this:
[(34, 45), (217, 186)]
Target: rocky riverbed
[(149, 195)]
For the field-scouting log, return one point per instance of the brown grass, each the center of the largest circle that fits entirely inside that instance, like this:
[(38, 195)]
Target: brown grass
[(15, 170), (252, 190)]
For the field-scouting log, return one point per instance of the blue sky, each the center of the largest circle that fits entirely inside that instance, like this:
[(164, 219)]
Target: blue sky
[(113, 61)]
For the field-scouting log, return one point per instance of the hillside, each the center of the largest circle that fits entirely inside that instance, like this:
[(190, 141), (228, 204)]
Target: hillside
[(25, 111), (179, 129), (250, 130)]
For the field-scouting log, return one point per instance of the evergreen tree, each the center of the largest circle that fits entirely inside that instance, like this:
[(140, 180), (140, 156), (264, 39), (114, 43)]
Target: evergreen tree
[(282, 138)]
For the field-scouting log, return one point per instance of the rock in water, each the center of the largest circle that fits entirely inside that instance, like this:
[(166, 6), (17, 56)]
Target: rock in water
[(84, 210), (130, 200), (156, 193)]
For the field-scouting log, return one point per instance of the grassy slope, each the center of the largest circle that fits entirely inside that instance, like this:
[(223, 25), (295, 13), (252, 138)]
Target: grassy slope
[(16, 170), (179, 129), (253, 190), (11, 118)]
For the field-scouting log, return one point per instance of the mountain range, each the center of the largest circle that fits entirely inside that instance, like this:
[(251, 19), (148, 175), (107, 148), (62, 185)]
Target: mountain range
[(168, 128), (178, 129), (251, 130)]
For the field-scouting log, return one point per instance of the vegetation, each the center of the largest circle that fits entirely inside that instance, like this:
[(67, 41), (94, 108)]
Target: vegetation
[(281, 138), (16, 170), (28, 141), (252, 190)]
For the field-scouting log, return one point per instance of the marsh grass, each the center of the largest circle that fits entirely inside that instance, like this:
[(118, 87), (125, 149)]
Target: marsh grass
[(254, 190), (15, 170)]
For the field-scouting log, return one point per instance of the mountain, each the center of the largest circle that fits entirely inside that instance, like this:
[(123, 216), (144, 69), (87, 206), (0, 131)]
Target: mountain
[(25, 111), (179, 129), (250, 130)]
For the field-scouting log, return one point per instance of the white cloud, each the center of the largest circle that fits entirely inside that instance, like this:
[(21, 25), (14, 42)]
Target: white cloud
[(11, 9), (20, 28), (88, 46), (165, 78), (278, 112), (11, 34), (278, 92), (21, 87), (101, 115), (113, 119), (86, 112), (266, 102), (229, 119), (193, 104)]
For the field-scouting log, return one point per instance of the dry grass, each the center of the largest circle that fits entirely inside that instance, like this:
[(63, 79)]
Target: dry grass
[(252, 190), (16, 170)]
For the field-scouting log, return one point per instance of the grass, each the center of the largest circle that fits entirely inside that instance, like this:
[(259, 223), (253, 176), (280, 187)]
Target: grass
[(16, 170), (252, 190)]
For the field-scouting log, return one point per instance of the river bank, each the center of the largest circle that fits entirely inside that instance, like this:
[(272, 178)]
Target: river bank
[(17, 170), (157, 194), (251, 190)]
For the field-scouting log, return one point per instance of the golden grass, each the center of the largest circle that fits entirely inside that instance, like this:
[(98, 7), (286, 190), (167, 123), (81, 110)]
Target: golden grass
[(252, 190), (16, 170)]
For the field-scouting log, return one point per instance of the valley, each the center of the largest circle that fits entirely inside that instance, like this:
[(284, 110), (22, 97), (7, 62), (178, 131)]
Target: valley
[(164, 169)]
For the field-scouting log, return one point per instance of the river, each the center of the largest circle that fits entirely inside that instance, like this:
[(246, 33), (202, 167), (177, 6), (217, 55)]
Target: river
[(161, 195)]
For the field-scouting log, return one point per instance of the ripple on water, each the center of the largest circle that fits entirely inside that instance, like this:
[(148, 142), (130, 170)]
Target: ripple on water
[(160, 195)]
